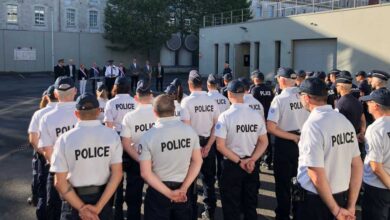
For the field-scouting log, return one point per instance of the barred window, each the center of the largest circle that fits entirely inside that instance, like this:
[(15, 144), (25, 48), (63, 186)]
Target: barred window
[(39, 12), (12, 13), (70, 17), (93, 19)]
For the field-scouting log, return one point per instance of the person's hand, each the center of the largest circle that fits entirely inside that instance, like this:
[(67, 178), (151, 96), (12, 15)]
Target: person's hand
[(296, 139), (205, 151), (178, 196), (360, 137), (244, 163), (352, 210), (250, 166), (344, 214), (86, 213)]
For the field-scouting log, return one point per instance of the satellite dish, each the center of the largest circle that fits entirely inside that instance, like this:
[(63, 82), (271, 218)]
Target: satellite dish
[(191, 42), (174, 43)]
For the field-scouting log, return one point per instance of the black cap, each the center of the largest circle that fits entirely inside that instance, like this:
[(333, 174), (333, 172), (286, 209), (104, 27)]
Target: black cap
[(102, 87), (310, 74), (344, 77), (194, 76), (63, 83), (380, 74), (50, 92), (314, 86), (301, 73), (171, 90), (334, 71), (361, 73), (380, 96), (257, 74), (236, 86), (212, 79), (245, 82), (143, 87), (121, 81), (286, 73), (320, 75), (228, 77), (176, 82), (345, 73), (86, 101), (369, 74)]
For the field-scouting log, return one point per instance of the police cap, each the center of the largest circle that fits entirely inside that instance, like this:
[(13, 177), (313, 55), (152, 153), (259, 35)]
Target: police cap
[(63, 83), (176, 82), (286, 73), (361, 73), (171, 90), (50, 92), (245, 82), (301, 73), (143, 87), (212, 79), (320, 75), (236, 86), (380, 74), (380, 96), (314, 86), (257, 74), (121, 81), (344, 77), (86, 101), (335, 72), (228, 77)]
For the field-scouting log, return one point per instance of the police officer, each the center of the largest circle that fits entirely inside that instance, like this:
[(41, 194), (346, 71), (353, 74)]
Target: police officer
[(285, 119), (115, 110), (242, 139), (111, 73), (170, 161), (249, 99), (301, 75), (379, 79), (351, 107), (201, 112), (223, 104), (263, 93), (226, 79), (330, 168), (171, 90), (59, 69), (376, 201), (87, 162), (332, 92), (179, 88), (136, 123), (51, 126), (33, 136), (361, 79), (102, 97)]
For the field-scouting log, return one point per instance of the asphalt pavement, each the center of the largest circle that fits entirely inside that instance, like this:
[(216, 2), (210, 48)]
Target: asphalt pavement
[(19, 98)]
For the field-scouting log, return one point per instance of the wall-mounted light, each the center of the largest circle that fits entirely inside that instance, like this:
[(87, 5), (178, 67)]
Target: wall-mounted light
[(314, 24)]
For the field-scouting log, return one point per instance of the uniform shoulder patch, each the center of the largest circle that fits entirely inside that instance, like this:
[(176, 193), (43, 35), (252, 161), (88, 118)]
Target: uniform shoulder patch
[(218, 126)]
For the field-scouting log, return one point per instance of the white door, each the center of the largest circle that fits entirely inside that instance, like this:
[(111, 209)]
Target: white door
[(315, 55)]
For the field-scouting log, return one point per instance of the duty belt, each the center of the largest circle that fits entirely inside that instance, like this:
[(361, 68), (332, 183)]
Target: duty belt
[(172, 185), (88, 190)]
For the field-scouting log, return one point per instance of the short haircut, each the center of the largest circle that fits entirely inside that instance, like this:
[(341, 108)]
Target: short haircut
[(384, 108), (319, 99), (196, 83), (88, 114), (120, 89), (345, 86), (164, 106), (64, 94)]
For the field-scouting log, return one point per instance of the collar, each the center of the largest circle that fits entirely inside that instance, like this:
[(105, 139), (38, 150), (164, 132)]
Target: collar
[(122, 95), (66, 105), (323, 108), (290, 90), (88, 123), (239, 105), (248, 95), (51, 104), (167, 120), (213, 91), (198, 93), (144, 106)]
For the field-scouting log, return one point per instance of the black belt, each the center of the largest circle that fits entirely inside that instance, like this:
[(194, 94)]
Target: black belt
[(173, 185), (111, 77), (308, 193), (88, 190), (297, 132)]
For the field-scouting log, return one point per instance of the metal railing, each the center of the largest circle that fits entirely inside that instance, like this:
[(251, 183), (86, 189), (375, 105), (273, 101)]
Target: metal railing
[(281, 8)]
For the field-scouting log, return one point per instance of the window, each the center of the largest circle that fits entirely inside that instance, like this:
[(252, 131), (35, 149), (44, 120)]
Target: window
[(93, 19), (70, 17), (93, 2), (12, 13), (39, 13)]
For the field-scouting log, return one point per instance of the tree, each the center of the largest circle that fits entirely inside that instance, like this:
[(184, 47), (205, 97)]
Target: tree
[(137, 24)]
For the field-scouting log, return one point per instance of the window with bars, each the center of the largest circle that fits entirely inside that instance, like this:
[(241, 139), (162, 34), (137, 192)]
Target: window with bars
[(70, 17), (93, 19), (12, 13), (39, 13)]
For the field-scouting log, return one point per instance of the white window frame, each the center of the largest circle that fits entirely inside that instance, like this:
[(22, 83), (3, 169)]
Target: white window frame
[(68, 24), (97, 19), (35, 15), (16, 15)]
